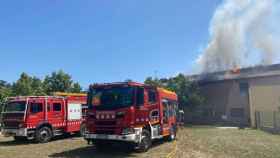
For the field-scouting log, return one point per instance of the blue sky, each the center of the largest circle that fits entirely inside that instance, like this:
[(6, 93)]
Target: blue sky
[(102, 41)]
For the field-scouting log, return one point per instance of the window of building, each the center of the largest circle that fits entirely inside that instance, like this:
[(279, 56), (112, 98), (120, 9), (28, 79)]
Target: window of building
[(244, 88), (152, 96), (237, 112), (56, 107), (36, 107)]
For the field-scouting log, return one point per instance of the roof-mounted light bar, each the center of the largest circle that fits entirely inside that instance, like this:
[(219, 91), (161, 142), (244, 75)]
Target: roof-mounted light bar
[(63, 94)]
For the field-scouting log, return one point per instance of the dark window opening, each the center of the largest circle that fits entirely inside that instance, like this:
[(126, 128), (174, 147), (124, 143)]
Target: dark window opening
[(15, 106), (140, 96), (152, 96), (56, 107), (36, 107), (244, 88), (49, 107), (165, 111), (112, 97)]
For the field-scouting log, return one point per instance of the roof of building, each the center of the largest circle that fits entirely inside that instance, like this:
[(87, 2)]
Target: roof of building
[(244, 73)]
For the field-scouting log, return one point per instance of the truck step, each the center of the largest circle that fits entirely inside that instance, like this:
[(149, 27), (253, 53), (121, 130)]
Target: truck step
[(58, 132)]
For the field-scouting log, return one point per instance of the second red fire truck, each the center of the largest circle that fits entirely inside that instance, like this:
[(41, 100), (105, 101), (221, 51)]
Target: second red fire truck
[(42, 117), (130, 112)]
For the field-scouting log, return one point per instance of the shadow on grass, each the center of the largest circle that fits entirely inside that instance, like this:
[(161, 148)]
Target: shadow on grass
[(91, 151), (113, 151), (12, 142)]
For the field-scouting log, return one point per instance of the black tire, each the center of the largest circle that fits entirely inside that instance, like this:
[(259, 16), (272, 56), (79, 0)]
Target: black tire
[(20, 139), (43, 135), (173, 132), (146, 141), (82, 130)]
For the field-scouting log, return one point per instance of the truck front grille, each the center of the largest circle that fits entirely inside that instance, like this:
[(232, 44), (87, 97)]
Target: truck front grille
[(10, 125), (105, 123), (105, 132)]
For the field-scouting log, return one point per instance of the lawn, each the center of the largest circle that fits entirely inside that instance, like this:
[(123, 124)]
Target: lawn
[(195, 141), (201, 141)]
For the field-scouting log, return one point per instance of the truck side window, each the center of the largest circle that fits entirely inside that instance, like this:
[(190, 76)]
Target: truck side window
[(171, 109), (165, 111), (140, 96), (49, 107), (56, 107), (36, 107), (152, 96)]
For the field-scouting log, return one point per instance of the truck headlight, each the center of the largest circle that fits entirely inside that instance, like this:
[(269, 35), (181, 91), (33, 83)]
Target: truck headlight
[(127, 131), (21, 125)]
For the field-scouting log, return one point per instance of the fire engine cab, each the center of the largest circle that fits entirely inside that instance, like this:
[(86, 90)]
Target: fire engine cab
[(43, 117), (130, 112)]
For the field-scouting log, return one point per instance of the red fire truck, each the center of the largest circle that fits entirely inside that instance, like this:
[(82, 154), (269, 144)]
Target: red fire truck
[(130, 112), (42, 117)]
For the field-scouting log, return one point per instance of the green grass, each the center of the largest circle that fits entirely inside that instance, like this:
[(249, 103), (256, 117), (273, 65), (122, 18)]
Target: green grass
[(213, 142), (195, 141)]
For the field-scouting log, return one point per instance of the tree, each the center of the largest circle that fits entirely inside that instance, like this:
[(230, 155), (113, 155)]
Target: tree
[(23, 86), (60, 82), (5, 91), (37, 87), (152, 82), (27, 85), (188, 92), (76, 88)]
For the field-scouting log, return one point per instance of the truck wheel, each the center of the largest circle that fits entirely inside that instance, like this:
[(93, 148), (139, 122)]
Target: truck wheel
[(19, 138), (146, 141), (43, 135), (82, 130), (172, 135)]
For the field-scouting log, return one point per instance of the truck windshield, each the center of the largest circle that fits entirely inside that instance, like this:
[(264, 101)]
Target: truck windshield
[(110, 98), (15, 107)]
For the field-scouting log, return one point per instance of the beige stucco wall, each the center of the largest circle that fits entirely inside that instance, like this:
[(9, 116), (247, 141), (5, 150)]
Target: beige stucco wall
[(264, 95)]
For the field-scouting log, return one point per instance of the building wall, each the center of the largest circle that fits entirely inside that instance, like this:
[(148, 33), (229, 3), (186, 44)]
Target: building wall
[(226, 102), (264, 95)]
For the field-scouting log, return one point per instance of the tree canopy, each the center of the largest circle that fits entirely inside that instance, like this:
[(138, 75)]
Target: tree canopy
[(58, 81), (188, 92)]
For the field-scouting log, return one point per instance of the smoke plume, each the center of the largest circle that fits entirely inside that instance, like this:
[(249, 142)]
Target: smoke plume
[(242, 33)]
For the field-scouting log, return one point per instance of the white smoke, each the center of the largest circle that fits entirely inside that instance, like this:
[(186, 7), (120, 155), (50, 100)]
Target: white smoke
[(242, 33)]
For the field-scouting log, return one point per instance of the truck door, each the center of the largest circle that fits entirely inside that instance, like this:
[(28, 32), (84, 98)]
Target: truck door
[(36, 112), (56, 113), (166, 116)]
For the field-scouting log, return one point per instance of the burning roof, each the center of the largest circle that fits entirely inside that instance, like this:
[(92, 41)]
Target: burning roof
[(244, 73)]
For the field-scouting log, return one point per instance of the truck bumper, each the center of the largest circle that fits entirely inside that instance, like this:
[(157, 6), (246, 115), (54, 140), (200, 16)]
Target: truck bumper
[(133, 138), (14, 132)]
